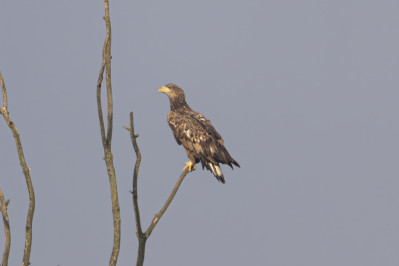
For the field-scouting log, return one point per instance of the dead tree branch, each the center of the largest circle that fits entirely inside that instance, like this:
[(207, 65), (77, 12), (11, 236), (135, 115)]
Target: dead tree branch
[(3, 209), (25, 169), (158, 216), (143, 236), (140, 235), (133, 137), (107, 138)]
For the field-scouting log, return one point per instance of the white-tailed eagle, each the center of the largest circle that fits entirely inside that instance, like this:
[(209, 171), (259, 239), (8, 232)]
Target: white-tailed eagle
[(199, 138)]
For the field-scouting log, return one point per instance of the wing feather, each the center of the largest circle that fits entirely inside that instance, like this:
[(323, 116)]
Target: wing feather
[(197, 135)]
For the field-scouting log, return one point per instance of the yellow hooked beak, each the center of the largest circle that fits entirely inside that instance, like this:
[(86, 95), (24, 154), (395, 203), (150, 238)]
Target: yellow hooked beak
[(163, 89)]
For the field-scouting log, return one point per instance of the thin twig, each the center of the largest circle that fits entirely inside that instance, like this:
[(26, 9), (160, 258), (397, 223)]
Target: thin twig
[(142, 237), (3, 209), (133, 137), (25, 169), (5, 101), (100, 109), (107, 138)]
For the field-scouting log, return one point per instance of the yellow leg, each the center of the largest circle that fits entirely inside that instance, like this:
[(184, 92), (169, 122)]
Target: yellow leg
[(190, 165)]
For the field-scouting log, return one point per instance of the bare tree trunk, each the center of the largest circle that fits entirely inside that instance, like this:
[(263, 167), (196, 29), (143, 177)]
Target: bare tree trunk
[(107, 138)]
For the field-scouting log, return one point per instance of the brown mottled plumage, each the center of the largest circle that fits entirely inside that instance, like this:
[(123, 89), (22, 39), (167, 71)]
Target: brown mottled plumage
[(196, 133)]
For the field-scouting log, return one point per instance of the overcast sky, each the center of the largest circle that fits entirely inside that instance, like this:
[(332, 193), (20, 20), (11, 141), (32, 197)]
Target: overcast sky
[(304, 93)]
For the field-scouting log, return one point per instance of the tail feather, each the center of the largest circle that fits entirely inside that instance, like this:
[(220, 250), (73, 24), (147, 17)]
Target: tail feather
[(216, 171), (235, 163), (223, 156), (230, 163)]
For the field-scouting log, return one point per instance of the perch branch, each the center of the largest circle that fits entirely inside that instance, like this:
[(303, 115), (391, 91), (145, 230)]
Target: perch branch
[(142, 237), (25, 169), (107, 138), (3, 209), (158, 216)]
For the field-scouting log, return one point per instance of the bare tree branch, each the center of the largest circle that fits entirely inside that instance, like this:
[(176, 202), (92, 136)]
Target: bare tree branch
[(158, 216), (107, 138), (142, 237), (133, 137), (25, 169), (100, 109), (3, 209), (3, 86)]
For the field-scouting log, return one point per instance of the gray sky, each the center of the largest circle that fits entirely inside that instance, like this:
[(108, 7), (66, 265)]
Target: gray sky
[(305, 94)]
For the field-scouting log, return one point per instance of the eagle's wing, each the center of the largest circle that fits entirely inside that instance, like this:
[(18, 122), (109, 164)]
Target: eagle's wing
[(190, 133), (198, 136), (207, 125)]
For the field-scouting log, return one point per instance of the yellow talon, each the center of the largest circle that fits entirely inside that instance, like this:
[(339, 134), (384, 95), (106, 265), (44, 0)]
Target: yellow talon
[(191, 166)]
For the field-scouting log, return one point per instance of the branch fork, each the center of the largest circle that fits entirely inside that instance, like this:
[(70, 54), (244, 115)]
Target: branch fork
[(143, 236)]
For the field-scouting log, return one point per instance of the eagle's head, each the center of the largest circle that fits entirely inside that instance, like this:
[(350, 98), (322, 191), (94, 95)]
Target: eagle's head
[(172, 90), (176, 96)]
